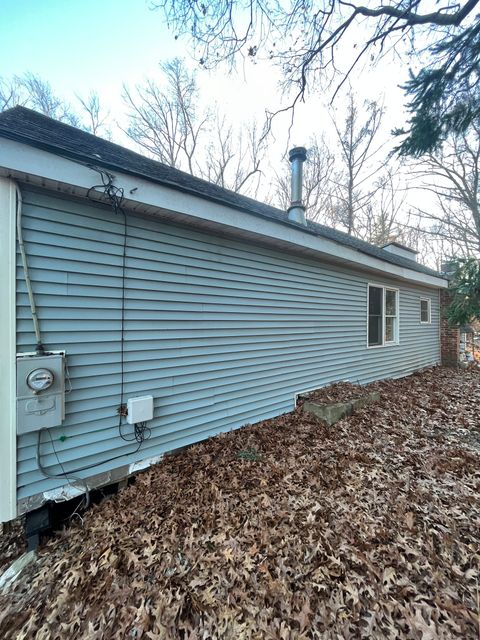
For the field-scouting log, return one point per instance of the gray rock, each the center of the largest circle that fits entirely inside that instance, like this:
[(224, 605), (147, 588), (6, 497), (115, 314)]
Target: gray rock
[(332, 413), (329, 413), (16, 568), (364, 401)]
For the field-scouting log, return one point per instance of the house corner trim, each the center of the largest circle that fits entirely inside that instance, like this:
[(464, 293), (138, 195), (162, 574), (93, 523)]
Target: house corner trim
[(8, 436)]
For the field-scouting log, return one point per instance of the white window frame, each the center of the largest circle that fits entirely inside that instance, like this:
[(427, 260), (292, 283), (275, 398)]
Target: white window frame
[(385, 288), (429, 307)]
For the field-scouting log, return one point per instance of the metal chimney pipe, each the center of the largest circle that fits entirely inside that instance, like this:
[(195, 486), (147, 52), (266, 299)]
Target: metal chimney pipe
[(296, 210)]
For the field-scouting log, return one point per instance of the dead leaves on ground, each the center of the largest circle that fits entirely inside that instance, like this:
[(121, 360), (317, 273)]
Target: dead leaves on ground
[(12, 542), (333, 393), (368, 529)]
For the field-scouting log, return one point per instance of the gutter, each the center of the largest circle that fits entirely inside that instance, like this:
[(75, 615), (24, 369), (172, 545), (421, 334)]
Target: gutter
[(88, 161), (36, 166)]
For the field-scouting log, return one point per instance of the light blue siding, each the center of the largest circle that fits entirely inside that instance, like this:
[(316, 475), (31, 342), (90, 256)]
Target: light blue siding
[(221, 333)]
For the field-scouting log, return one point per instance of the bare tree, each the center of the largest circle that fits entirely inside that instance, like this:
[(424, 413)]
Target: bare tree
[(304, 39), (35, 93), (359, 162), (452, 176), (11, 93), (164, 120), (359, 189), (31, 91), (317, 188), (385, 221), (97, 119), (40, 97), (233, 156)]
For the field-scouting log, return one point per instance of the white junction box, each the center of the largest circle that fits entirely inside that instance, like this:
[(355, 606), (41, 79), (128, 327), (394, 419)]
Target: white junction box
[(40, 391), (139, 409)]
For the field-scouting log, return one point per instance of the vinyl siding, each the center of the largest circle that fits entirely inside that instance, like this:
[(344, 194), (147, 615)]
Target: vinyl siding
[(221, 333)]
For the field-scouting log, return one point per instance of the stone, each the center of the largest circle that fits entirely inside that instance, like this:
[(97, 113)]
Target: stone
[(332, 413), (329, 413), (16, 568), (364, 401)]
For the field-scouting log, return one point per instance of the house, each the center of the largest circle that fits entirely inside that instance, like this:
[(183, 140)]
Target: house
[(170, 310)]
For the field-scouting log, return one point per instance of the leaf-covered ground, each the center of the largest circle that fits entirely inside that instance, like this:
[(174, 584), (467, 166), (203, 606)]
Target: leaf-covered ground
[(12, 542), (285, 529), (333, 393)]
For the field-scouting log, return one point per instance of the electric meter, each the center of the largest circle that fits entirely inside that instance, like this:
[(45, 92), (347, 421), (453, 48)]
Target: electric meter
[(40, 390), (40, 379)]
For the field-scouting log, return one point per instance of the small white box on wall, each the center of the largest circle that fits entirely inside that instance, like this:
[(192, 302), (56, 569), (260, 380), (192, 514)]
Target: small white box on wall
[(139, 409)]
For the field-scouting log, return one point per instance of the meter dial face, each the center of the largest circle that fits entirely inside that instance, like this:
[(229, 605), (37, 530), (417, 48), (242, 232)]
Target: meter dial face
[(40, 379)]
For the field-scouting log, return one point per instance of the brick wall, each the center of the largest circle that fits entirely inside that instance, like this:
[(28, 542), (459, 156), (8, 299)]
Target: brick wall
[(449, 336)]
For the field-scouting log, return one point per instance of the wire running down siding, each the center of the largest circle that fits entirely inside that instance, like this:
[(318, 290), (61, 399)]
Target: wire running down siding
[(221, 333)]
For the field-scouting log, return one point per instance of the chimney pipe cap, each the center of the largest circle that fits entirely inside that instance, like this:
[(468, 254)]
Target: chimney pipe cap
[(298, 153)]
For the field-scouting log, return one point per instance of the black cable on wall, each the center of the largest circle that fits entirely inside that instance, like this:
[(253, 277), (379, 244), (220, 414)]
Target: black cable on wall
[(115, 197)]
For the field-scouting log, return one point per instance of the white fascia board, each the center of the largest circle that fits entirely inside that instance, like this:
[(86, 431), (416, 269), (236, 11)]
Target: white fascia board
[(8, 430), (47, 169)]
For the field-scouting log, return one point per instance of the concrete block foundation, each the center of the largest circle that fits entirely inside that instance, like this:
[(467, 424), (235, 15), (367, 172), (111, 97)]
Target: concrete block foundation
[(332, 413)]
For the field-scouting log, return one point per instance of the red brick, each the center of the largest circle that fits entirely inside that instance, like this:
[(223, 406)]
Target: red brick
[(449, 336)]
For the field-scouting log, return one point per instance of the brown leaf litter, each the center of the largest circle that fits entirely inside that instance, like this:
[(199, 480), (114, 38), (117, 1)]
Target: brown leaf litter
[(333, 393), (12, 542), (368, 529)]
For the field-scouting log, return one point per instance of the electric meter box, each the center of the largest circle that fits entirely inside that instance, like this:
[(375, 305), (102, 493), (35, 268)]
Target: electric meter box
[(40, 392)]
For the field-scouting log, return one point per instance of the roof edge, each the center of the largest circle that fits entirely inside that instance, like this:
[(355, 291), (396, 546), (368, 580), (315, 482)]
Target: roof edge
[(209, 192)]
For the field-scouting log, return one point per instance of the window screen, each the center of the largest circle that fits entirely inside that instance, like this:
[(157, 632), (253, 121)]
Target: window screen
[(375, 316), (390, 315)]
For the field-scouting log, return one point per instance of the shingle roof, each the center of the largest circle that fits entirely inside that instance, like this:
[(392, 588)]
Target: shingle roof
[(37, 130)]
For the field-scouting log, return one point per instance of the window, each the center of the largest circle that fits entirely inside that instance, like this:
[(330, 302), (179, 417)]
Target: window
[(390, 315), (375, 324), (382, 316), (425, 310)]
